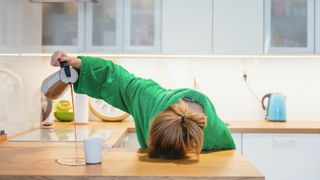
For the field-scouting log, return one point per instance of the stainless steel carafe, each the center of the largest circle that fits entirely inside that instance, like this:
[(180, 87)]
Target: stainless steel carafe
[(56, 84)]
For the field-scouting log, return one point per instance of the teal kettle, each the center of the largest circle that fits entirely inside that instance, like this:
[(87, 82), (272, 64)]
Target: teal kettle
[(276, 108)]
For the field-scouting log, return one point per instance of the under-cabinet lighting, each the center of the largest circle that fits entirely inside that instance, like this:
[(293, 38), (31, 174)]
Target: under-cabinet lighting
[(169, 56), (9, 54)]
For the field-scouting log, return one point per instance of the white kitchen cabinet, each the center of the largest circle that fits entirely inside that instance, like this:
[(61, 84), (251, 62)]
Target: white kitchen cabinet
[(289, 26), (104, 26), (9, 37), (317, 21), (142, 24), (284, 156), (237, 138), (187, 26), (63, 26), (238, 26), (2, 12), (20, 23), (30, 26)]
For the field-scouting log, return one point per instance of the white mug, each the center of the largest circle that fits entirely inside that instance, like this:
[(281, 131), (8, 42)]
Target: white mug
[(93, 150)]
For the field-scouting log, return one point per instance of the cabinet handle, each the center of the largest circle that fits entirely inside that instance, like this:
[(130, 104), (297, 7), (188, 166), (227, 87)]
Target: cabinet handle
[(279, 142)]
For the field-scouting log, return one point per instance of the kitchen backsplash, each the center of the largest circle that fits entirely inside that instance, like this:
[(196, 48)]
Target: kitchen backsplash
[(20, 93), (220, 79)]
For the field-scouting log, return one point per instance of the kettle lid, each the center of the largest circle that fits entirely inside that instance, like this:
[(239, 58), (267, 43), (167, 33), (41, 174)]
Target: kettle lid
[(72, 78)]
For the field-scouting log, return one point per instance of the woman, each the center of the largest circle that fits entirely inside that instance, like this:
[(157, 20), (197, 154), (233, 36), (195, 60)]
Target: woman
[(170, 123)]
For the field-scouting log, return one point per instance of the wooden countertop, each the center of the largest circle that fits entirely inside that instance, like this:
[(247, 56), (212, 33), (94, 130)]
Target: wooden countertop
[(36, 160), (256, 126), (263, 126)]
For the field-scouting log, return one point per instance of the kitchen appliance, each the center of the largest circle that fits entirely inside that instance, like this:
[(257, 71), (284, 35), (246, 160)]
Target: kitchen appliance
[(276, 109), (56, 84)]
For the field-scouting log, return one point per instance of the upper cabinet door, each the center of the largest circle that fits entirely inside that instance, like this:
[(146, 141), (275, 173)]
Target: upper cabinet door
[(9, 35), (63, 26), (20, 27), (104, 22), (187, 26), (238, 26), (142, 25), (289, 26), (30, 27), (317, 21)]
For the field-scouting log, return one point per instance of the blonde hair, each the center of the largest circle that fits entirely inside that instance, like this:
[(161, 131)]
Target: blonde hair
[(175, 132)]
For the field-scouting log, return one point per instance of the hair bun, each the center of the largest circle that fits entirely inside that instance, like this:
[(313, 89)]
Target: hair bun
[(182, 109), (176, 131)]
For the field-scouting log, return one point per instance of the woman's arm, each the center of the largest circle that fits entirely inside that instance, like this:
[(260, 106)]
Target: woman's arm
[(102, 79), (59, 56), (105, 80), (98, 78)]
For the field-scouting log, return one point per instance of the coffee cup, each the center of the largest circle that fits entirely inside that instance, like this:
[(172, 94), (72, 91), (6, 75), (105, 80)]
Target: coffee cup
[(94, 150)]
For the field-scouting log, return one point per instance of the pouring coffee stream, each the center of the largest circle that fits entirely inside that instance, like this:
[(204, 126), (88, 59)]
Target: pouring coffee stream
[(54, 87)]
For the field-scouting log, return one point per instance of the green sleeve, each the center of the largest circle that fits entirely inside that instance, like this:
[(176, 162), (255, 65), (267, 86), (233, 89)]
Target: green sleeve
[(216, 134), (102, 79), (143, 99), (224, 140), (140, 97)]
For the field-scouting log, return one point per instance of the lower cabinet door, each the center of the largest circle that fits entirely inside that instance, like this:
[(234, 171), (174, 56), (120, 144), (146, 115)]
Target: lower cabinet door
[(284, 156), (237, 140)]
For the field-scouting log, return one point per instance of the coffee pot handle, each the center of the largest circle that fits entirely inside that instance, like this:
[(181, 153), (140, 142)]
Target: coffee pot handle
[(65, 66), (263, 98)]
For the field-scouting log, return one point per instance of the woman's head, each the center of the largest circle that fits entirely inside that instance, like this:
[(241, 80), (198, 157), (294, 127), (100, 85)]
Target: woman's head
[(176, 131)]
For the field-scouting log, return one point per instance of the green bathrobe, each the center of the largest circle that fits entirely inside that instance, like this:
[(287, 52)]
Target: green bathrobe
[(144, 99)]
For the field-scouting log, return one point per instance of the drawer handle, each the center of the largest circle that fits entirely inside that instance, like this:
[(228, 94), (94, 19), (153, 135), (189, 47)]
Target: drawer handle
[(283, 142)]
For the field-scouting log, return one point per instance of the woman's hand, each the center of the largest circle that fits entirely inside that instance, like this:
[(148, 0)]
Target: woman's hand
[(59, 56)]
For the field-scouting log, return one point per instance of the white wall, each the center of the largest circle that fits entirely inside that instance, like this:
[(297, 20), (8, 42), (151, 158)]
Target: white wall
[(21, 110), (222, 81)]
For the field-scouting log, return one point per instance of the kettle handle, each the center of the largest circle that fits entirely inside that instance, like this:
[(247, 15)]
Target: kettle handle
[(64, 65), (263, 98)]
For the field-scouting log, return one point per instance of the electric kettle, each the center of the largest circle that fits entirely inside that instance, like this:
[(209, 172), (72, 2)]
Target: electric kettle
[(56, 84), (276, 108)]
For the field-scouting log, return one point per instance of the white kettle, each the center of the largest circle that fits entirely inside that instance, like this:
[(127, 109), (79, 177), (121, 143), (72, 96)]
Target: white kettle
[(56, 84)]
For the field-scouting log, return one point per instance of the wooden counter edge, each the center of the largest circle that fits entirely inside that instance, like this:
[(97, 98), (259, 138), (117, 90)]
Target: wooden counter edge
[(263, 126), (275, 130), (59, 177)]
